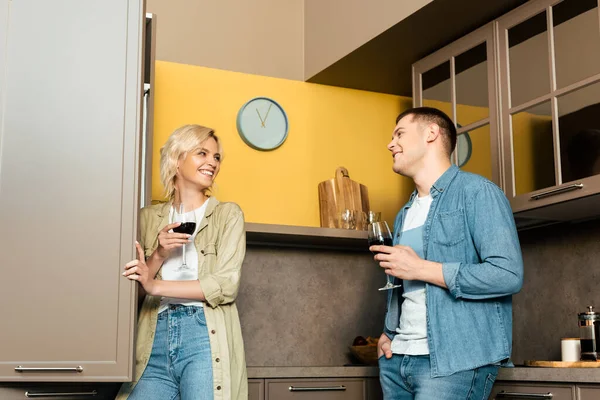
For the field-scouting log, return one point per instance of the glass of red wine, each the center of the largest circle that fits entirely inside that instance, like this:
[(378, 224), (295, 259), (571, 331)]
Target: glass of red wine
[(379, 235), (188, 225)]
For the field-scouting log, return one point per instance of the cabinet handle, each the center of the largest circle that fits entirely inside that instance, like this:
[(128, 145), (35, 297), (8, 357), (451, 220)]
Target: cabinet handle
[(93, 393), (340, 388), (552, 192), (48, 369), (517, 395)]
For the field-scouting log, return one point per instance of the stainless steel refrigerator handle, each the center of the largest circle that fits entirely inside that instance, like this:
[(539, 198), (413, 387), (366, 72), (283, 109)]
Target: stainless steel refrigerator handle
[(559, 190), (48, 369), (340, 388), (517, 395), (93, 393)]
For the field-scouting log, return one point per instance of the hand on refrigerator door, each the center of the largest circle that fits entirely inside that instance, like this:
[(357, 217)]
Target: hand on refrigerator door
[(138, 270)]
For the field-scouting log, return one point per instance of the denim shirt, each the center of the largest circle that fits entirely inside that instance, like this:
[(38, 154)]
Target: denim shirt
[(470, 230)]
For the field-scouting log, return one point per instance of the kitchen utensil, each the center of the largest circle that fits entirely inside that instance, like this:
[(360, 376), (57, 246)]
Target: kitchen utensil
[(338, 194), (589, 334)]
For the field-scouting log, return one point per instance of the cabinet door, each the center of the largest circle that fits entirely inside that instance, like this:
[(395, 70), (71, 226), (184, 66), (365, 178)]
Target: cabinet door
[(256, 389), (588, 392), (69, 153), (460, 79), (517, 391), (315, 389), (550, 100), (65, 391)]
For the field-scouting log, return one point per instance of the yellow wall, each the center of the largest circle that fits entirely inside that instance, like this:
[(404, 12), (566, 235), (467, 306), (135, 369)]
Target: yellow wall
[(329, 127)]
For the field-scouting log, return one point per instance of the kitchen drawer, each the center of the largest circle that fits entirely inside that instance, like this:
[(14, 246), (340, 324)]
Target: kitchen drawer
[(588, 392), (315, 389), (58, 391), (256, 389), (521, 391)]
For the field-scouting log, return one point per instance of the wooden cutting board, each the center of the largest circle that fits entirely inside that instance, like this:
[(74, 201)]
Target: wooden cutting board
[(341, 193), (562, 364)]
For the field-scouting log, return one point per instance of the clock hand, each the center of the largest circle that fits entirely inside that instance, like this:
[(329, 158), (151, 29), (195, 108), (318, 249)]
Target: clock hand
[(262, 123), (267, 116)]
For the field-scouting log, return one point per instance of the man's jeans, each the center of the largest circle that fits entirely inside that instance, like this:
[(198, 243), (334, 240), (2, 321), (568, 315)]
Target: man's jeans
[(180, 366), (405, 377)]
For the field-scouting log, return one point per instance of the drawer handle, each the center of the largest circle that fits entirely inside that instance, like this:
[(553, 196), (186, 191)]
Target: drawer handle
[(517, 395), (93, 393), (340, 388), (559, 190), (48, 369)]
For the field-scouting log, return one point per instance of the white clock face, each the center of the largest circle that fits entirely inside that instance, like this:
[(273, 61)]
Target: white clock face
[(262, 124)]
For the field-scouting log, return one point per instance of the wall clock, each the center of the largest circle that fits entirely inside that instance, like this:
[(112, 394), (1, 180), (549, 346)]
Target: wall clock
[(464, 147), (262, 123)]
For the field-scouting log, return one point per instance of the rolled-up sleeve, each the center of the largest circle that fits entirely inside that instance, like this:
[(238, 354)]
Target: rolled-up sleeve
[(221, 287), (492, 227)]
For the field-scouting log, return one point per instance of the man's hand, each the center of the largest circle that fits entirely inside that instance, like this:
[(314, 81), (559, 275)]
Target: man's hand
[(403, 263), (384, 346), (399, 261)]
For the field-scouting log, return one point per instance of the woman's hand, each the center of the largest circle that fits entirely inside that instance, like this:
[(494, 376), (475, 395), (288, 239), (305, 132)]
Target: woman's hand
[(137, 270), (168, 241)]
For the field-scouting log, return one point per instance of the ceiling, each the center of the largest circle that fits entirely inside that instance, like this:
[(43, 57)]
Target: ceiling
[(384, 63)]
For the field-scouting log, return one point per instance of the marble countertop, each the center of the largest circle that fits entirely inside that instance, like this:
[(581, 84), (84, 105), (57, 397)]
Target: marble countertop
[(530, 374)]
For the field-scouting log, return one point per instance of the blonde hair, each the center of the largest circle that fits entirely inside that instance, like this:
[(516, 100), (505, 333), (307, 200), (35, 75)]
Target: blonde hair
[(183, 140)]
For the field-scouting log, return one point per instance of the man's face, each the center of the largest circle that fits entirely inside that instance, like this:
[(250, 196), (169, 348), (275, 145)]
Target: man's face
[(408, 146)]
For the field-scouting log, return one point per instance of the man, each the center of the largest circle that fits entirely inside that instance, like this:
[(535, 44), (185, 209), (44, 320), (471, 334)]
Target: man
[(449, 327)]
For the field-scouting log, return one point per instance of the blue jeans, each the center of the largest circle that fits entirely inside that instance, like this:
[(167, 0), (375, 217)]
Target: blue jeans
[(405, 377), (180, 365)]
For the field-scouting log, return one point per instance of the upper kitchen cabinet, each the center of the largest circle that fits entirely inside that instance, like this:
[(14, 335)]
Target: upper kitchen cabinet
[(549, 63), (460, 80), (71, 83)]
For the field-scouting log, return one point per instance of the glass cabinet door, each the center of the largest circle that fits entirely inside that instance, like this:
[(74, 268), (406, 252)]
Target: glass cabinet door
[(460, 80), (549, 56)]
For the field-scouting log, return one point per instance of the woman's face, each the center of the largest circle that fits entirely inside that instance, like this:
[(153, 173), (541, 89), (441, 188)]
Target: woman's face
[(199, 167)]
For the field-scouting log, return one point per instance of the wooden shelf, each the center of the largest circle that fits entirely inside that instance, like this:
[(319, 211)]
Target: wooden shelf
[(305, 237)]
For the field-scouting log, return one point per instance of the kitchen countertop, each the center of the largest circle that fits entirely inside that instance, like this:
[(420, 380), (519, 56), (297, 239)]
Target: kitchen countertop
[(530, 374), (313, 372), (538, 374)]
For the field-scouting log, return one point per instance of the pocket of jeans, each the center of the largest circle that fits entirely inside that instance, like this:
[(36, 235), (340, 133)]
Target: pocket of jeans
[(489, 384), (200, 317), (448, 228)]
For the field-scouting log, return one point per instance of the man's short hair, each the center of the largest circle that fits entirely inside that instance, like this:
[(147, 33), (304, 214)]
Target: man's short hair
[(430, 115)]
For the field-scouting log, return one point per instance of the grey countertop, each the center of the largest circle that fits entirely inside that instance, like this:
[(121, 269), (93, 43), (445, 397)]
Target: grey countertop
[(530, 374), (313, 372), (539, 374)]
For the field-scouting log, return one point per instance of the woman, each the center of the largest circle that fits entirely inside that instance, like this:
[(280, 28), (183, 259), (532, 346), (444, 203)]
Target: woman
[(189, 341)]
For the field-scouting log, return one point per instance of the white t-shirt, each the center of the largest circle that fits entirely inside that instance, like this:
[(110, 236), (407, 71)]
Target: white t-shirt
[(171, 268), (412, 330)]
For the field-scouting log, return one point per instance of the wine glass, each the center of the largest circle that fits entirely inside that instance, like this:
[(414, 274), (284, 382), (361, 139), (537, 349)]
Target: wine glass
[(379, 234), (188, 225)]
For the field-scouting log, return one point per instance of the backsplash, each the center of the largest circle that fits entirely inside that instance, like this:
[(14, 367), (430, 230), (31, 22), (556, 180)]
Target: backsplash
[(562, 271), (304, 307)]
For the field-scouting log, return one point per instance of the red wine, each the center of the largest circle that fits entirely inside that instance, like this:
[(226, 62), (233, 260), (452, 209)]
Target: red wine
[(379, 242), (186, 227)]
